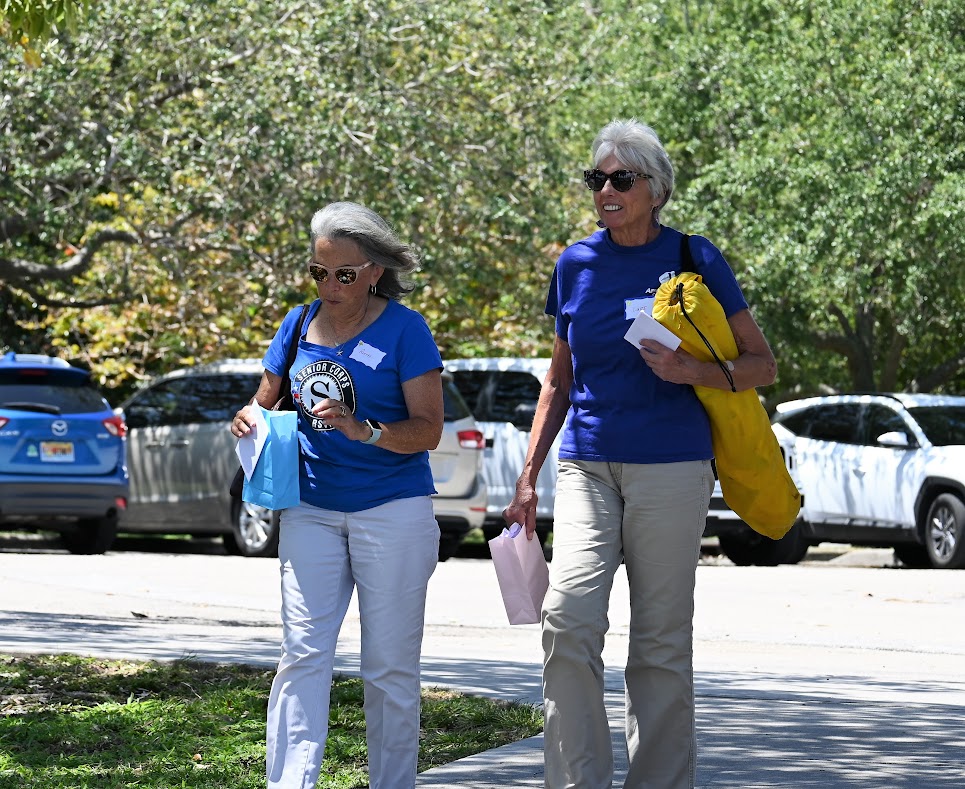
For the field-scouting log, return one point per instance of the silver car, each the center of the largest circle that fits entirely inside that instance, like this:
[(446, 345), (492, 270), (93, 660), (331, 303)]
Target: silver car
[(181, 458), (502, 393)]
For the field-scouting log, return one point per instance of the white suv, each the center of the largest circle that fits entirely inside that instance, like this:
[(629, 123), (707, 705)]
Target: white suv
[(502, 394), (880, 470)]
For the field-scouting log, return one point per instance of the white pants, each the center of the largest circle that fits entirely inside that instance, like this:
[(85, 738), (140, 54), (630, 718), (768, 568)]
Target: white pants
[(388, 554), (651, 517)]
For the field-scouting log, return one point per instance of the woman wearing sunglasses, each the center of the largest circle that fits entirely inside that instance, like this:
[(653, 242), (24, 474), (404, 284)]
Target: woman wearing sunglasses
[(635, 474), (367, 387)]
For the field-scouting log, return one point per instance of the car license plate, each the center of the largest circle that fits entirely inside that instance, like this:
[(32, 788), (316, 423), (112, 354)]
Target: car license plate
[(57, 451)]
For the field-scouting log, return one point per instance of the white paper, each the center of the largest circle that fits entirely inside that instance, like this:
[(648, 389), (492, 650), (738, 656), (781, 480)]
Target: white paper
[(249, 446), (645, 327)]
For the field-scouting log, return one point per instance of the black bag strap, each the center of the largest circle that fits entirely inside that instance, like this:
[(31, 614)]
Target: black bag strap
[(285, 402), (687, 264), (686, 257)]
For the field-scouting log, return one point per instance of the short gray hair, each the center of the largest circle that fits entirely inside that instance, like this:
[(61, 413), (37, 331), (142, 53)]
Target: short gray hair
[(375, 238), (639, 148)]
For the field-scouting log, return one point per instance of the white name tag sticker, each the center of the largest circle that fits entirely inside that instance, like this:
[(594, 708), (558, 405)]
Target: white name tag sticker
[(633, 307), (369, 355)]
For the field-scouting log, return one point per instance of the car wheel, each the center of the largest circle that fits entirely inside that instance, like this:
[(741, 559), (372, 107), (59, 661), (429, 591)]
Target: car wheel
[(756, 549), (913, 556), (945, 532), (254, 529), (91, 535), (448, 546)]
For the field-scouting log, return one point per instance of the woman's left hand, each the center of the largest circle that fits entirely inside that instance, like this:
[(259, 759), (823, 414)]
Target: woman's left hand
[(676, 367), (339, 416)]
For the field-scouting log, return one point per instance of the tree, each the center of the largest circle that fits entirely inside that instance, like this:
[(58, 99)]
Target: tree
[(160, 170), (825, 147), (27, 22)]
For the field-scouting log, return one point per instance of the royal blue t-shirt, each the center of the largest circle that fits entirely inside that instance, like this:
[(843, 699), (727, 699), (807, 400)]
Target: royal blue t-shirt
[(620, 411), (337, 473)]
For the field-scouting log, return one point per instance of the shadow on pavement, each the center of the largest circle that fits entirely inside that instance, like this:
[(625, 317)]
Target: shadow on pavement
[(49, 542), (754, 729)]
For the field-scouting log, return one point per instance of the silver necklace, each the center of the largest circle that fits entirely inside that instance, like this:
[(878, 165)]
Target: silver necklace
[(339, 347)]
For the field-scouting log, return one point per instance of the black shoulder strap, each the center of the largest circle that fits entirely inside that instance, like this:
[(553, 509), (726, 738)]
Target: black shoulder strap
[(293, 345), (686, 258), (285, 402), (687, 264)]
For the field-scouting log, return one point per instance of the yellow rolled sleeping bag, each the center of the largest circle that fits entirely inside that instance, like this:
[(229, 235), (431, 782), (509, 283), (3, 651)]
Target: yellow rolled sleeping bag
[(751, 469)]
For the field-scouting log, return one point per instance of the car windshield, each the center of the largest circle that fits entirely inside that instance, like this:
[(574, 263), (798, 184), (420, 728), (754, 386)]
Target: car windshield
[(62, 399), (943, 424)]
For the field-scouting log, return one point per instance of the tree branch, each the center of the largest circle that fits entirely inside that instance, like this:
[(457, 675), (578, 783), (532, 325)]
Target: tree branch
[(46, 301), (19, 271), (939, 375)]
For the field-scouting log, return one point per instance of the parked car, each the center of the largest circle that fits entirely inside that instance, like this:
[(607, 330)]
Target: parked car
[(884, 470), (502, 394), (62, 459), (182, 458)]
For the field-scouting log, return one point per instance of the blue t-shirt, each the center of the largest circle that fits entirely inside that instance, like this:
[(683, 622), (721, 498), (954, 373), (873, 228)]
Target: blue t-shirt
[(337, 473), (620, 411)]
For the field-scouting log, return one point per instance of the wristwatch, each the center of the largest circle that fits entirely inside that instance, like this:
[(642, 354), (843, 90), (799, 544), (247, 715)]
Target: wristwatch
[(376, 431)]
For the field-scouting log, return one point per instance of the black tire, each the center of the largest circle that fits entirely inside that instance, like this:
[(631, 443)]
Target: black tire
[(913, 556), (91, 535), (254, 529), (945, 532), (230, 544), (449, 546), (756, 549)]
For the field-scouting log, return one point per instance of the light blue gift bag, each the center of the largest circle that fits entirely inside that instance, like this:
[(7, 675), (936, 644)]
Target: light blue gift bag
[(274, 480)]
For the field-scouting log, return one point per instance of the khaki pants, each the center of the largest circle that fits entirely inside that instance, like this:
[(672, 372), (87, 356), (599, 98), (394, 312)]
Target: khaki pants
[(651, 517)]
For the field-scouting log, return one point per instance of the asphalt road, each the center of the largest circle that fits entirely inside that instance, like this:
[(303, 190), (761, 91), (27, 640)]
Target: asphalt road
[(841, 671)]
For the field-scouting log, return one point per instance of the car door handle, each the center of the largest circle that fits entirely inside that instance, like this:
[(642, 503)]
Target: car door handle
[(179, 442)]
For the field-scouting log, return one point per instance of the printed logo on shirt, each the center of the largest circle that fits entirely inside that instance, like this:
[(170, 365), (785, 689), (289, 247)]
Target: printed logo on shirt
[(320, 381)]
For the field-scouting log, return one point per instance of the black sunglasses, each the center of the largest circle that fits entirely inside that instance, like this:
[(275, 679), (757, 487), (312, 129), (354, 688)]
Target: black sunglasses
[(345, 275), (622, 180)]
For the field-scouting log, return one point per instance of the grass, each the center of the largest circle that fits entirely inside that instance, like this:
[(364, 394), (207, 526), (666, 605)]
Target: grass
[(69, 722)]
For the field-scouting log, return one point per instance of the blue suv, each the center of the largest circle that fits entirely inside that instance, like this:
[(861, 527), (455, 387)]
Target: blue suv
[(62, 452)]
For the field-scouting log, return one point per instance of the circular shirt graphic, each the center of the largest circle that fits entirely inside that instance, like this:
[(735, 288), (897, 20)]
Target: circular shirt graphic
[(321, 381)]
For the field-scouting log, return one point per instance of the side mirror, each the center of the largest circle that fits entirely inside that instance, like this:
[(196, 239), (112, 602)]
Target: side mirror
[(895, 439)]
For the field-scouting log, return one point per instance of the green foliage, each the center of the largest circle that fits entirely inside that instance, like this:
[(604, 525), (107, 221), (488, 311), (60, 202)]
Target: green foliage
[(39, 19), (825, 144), (85, 723), (158, 172)]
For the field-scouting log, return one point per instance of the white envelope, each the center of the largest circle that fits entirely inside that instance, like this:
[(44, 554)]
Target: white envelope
[(249, 446), (646, 327)]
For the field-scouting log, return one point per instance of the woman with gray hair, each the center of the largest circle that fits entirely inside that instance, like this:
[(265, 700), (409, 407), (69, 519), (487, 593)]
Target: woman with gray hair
[(367, 386), (635, 474)]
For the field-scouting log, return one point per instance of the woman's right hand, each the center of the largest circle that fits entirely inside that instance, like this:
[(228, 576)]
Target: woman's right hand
[(522, 509), (244, 419)]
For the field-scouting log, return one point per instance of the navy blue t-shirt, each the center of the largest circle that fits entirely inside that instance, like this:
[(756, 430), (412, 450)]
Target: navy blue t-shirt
[(337, 473), (620, 411)]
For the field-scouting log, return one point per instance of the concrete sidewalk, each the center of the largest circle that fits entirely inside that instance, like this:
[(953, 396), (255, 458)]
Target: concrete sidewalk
[(755, 729), (805, 677)]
